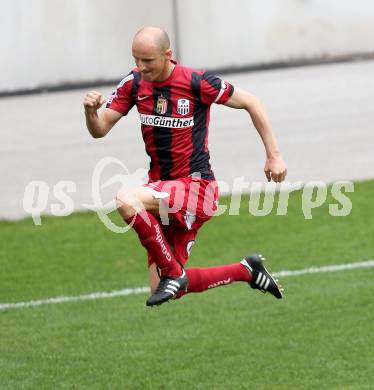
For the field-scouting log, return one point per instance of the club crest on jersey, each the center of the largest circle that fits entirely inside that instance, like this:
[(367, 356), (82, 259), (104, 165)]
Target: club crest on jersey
[(183, 106), (162, 105)]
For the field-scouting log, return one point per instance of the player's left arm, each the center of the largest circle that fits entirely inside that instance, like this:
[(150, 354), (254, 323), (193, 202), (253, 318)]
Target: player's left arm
[(275, 167)]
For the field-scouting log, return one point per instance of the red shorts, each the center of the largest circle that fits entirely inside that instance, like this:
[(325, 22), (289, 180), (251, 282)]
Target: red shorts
[(185, 204)]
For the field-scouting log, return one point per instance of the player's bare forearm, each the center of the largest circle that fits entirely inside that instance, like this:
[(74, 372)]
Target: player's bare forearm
[(93, 125), (262, 124), (275, 168)]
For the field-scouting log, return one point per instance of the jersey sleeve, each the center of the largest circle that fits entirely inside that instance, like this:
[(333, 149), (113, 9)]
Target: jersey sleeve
[(122, 100), (214, 90)]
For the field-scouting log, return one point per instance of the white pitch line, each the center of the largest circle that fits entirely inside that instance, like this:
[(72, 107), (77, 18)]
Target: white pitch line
[(87, 297), (141, 290), (327, 268)]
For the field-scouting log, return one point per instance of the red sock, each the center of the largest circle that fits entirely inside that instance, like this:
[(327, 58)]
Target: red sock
[(201, 279), (152, 238)]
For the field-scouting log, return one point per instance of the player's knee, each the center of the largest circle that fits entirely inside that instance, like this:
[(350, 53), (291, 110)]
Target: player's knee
[(127, 203), (123, 200)]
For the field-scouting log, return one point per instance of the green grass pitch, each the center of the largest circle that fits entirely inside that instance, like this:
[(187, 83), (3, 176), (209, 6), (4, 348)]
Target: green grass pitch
[(319, 337)]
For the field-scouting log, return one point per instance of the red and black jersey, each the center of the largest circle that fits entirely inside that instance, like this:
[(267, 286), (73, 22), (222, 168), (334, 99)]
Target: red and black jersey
[(174, 116)]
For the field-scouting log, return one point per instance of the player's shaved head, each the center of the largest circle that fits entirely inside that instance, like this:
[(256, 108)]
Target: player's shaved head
[(152, 36), (152, 53)]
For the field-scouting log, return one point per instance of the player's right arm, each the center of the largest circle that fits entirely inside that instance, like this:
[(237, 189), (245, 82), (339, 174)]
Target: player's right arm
[(98, 124)]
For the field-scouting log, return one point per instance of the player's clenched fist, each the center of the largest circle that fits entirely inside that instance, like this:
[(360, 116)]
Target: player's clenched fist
[(93, 101)]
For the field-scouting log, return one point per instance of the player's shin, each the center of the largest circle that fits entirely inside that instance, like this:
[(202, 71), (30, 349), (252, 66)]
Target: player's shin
[(150, 234), (202, 279)]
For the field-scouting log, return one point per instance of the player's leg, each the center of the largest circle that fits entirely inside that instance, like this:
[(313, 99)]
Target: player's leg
[(249, 270), (172, 239), (202, 279), (138, 208)]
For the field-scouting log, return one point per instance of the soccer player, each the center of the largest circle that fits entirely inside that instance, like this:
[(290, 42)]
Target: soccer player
[(173, 102)]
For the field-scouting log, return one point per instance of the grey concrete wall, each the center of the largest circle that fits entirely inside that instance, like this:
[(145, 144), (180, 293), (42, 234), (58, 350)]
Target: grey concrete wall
[(51, 42), (220, 33)]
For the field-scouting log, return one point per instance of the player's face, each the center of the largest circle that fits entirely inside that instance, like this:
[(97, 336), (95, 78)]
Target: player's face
[(152, 63)]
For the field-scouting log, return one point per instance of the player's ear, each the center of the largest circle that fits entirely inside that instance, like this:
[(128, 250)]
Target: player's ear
[(168, 54)]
